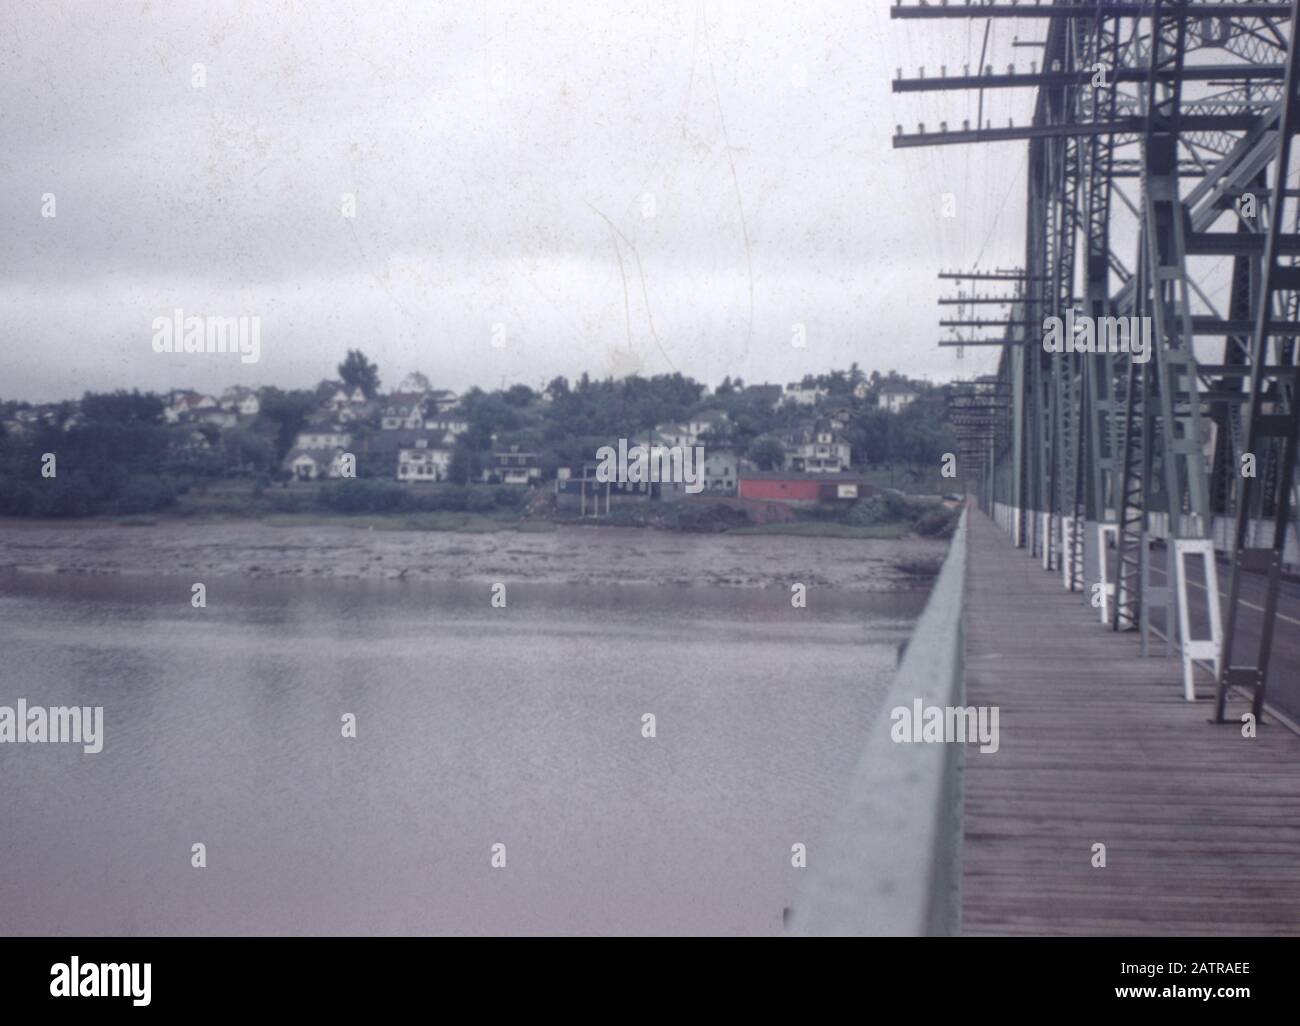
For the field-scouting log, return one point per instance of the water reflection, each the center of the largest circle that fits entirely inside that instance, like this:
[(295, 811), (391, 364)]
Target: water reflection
[(475, 726)]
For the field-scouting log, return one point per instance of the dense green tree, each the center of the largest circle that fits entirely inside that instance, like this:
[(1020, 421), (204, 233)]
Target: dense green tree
[(519, 395), (358, 372), (767, 453), (287, 412), (122, 407)]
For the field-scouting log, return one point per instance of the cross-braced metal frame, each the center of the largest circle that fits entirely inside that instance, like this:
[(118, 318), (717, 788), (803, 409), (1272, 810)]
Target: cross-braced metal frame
[(1166, 125)]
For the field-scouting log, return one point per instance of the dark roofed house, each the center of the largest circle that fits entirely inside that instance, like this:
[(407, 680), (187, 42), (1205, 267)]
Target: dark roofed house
[(513, 466), (770, 394), (412, 454), (580, 489), (402, 410), (816, 447)]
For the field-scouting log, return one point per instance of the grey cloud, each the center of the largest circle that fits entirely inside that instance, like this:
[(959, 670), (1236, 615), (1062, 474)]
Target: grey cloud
[(483, 143)]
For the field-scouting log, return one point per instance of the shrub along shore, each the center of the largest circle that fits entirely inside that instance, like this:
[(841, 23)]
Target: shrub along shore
[(390, 505)]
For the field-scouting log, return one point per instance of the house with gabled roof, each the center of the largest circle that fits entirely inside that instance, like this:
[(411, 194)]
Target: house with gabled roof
[(450, 427), (423, 462), (308, 464), (402, 411), (319, 433), (441, 400), (671, 434), (707, 421), (894, 395), (514, 466), (816, 448), (770, 394), (804, 395), (721, 470)]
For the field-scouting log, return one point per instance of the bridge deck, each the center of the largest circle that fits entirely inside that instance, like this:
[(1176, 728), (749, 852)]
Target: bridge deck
[(1201, 825)]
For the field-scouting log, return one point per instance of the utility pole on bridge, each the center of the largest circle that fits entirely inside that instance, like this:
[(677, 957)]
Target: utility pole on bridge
[(1166, 125)]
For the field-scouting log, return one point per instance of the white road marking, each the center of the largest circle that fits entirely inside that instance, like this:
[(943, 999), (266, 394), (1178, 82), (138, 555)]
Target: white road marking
[(1248, 605)]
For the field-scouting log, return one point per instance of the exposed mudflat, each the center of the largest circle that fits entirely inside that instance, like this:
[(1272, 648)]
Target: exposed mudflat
[(571, 554)]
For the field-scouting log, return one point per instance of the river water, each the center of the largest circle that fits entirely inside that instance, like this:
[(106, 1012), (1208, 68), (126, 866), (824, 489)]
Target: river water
[(476, 726)]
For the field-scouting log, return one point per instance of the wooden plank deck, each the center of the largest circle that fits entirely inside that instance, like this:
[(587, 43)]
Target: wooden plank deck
[(1097, 745)]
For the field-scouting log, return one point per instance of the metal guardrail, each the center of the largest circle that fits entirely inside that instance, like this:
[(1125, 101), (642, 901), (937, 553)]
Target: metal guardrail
[(892, 863)]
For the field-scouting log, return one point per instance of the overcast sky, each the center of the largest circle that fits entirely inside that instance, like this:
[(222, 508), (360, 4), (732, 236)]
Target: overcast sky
[(622, 186)]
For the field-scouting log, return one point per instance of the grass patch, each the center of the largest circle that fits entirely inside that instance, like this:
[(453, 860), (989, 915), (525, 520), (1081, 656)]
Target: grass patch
[(460, 523), (535, 527), (362, 521), (137, 520)]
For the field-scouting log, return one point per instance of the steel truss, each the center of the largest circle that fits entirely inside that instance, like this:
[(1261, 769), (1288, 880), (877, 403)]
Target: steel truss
[(1092, 460)]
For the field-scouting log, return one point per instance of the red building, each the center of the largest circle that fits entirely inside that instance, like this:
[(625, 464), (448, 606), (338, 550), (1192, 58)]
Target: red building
[(779, 489), (785, 486)]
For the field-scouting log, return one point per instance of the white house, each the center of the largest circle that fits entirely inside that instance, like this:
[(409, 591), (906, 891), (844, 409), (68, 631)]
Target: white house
[(215, 415), (840, 418), (242, 400), (442, 399), (803, 395), (710, 420), (309, 464), (345, 406), (513, 467), (423, 462), (404, 411), (721, 471), (322, 436), (670, 435), (816, 450), (452, 426), (894, 395), (414, 382)]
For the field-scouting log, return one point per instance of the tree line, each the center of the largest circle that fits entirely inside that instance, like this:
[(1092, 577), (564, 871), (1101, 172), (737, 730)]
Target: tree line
[(116, 454)]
